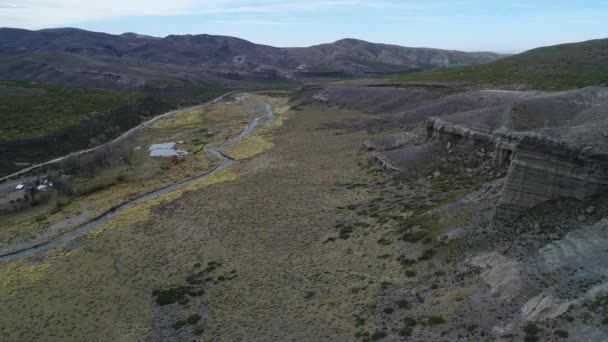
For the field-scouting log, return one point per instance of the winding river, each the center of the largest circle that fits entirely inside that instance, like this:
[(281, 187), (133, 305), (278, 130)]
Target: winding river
[(216, 150)]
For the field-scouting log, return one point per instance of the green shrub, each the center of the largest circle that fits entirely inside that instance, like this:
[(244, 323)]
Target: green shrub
[(531, 329), (471, 327), (411, 273), (403, 304), (359, 321), (405, 331), (345, 232), (415, 236), (435, 320), (427, 254), (193, 319), (198, 330), (409, 321), (362, 334), (179, 324), (378, 335), (177, 294), (384, 241), (406, 262), (561, 333)]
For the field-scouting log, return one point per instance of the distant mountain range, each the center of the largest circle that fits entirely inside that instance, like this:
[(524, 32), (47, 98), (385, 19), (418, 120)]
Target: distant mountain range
[(131, 61)]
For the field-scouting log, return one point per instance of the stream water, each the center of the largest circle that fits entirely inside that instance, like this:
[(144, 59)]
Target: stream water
[(215, 150)]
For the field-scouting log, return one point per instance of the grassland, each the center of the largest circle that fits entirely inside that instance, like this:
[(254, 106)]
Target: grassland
[(31, 110), (248, 147), (549, 68), (255, 251), (156, 252), (121, 180)]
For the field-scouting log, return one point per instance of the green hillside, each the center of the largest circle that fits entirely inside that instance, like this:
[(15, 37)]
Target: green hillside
[(548, 68), (32, 110)]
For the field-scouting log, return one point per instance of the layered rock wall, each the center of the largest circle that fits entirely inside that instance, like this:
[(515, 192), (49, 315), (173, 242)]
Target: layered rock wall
[(541, 169)]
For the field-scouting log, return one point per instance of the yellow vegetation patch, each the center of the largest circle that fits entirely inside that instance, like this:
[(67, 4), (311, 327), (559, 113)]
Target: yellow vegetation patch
[(256, 144), (146, 174), (141, 212), (451, 299), (280, 107), (21, 272), (248, 147), (202, 115)]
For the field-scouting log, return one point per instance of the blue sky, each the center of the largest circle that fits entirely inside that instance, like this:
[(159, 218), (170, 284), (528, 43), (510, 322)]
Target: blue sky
[(470, 25)]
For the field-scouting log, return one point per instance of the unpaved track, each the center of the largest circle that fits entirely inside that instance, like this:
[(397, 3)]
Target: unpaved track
[(119, 138), (214, 150)]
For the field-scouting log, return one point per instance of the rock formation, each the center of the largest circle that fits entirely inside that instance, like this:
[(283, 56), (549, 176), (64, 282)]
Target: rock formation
[(546, 163)]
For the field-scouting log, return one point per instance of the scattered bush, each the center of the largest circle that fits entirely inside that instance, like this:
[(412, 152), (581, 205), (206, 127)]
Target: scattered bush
[(198, 330), (414, 237), (359, 321), (403, 304), (384, 241), (179, 324), (378, 335), (406, 262), (471, 327), (409, 321), (309, 295), (435, 320), (193, 319), (362, 334), (405, 331), (531, 329), (427, 254), (345, 232), (176, 295)]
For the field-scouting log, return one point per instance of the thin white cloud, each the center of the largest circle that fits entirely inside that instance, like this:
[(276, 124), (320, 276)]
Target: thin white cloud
[(35, 14)]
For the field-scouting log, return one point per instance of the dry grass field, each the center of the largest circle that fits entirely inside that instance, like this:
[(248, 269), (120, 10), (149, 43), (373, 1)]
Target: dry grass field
[(118, 182), (264, 221), (304, 238)]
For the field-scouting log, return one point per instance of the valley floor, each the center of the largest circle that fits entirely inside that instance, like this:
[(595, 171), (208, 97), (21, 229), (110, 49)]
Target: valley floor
[(307, 238), (264, 222)]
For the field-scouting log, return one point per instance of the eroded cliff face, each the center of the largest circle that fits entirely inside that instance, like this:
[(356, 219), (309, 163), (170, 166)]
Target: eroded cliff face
[(553, 142), (541, 169)]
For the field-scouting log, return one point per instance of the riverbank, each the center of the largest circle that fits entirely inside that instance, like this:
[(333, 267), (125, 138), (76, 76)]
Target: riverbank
[(120, 184)]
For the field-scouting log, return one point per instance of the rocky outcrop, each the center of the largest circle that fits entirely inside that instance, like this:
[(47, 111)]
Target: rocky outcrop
[(389, 142), (544, 170), (500, 274), (541, 169), (553, 142)]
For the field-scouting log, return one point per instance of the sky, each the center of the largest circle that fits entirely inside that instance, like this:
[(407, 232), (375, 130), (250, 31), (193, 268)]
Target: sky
[(468, 25)]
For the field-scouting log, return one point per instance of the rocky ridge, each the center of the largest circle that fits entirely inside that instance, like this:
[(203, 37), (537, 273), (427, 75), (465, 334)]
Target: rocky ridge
[(541, 167)]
